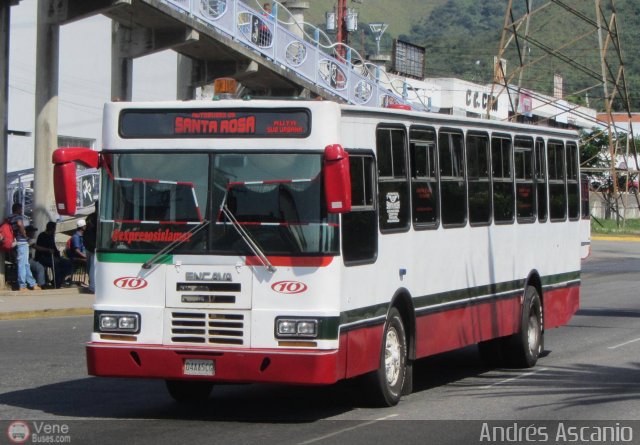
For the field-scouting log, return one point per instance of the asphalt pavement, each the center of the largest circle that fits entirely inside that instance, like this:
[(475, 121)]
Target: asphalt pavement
[(77, 301)]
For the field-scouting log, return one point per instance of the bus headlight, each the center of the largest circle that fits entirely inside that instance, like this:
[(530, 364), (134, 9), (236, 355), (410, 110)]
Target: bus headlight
[(296, 327), (118, 322)]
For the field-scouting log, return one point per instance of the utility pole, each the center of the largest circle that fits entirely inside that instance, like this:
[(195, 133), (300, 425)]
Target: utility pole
[(342, 33)]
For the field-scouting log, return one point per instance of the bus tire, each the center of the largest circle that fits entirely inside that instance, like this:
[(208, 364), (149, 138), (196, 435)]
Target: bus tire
[(389, 379), (189, 391), (523, 349)]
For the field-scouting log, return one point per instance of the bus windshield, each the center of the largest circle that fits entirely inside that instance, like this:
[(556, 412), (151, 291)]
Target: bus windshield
[(151, 200)]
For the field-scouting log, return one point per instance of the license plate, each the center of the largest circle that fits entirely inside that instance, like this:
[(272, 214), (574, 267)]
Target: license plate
[(199, 367)]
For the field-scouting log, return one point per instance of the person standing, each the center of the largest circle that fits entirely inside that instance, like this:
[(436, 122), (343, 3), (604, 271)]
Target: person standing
[(25, 278)]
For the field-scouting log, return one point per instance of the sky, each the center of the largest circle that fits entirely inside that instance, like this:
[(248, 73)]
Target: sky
[(84, 79)]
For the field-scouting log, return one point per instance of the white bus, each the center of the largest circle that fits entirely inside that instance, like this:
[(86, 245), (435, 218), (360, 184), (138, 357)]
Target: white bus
[(307, 242)]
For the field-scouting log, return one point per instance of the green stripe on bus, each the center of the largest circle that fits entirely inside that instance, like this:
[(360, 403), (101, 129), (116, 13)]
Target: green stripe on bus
[(508, 288), (113, 257)]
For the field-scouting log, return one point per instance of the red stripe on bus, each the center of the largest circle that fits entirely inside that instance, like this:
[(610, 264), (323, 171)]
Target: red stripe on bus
[(190, 184), (285, 261), (153, 181), (452, 329), (560, 305)]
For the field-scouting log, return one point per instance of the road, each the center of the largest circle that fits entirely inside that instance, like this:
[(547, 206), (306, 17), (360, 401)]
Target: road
[(590, 372)]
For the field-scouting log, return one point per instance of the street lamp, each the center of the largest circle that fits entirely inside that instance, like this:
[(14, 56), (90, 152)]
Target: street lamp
[(378, 29)]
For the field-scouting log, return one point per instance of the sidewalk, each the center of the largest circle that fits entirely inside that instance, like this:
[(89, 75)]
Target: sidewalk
[(45, 303)]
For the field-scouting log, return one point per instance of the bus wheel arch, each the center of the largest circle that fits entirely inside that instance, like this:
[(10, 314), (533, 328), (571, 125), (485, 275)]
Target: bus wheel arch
[(522, 349), (394, 376), (404, 303)]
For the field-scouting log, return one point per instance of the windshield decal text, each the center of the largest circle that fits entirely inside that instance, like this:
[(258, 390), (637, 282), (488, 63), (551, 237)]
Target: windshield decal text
[(162, 236)]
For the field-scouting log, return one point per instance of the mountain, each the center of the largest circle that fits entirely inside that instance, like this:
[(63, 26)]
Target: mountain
[(463, 36)]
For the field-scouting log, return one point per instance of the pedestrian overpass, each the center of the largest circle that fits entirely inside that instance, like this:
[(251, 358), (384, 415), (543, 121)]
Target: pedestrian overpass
[(265, 53)]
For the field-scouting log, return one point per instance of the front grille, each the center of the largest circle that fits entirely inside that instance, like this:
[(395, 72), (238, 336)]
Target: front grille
[(208, 328)]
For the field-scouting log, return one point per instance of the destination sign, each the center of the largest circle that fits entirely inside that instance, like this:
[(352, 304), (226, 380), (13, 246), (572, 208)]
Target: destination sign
[(207, 123)]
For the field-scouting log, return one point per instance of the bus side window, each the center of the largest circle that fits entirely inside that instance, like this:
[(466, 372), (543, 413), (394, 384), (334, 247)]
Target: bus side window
[(452, 178), (525, 193), (424, 180), (557, 185), (502, 175), (393, 189), (541, 179), (478, 172), (360, 226), (573, 181)]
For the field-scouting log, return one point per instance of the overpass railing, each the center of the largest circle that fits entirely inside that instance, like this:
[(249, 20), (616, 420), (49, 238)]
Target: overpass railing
[(301, 53)]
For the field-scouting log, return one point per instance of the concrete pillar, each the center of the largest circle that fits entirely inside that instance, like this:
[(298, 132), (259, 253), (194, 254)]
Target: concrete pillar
[(185, 89), (297, 9), (46, 108), (121, 63), (5, 20)]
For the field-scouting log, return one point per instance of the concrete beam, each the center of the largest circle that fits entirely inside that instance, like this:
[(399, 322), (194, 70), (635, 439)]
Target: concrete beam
[(140, 42), (67, 11)]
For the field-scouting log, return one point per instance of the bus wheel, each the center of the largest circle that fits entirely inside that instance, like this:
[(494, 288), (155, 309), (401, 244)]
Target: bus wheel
[(523, 349), (189, 391), (390, 377)]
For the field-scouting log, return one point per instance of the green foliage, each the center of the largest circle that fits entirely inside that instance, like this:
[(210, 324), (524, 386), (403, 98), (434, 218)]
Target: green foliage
[(615, 227), (463, 36)]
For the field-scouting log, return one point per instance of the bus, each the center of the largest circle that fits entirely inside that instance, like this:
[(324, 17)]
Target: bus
[(307, 242)]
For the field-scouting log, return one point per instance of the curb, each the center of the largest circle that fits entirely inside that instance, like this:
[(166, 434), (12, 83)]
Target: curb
[(45, 313), (632, 238)]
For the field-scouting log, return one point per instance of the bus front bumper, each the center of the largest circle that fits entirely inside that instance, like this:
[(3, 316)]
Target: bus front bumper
[(228, 365)]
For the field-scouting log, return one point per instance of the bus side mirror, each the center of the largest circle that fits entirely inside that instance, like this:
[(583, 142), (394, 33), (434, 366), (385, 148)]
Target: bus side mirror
[(64, 175), (337, 179)]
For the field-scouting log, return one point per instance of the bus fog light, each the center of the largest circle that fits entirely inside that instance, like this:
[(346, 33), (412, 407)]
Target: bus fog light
[(286, 327), (308, 328)]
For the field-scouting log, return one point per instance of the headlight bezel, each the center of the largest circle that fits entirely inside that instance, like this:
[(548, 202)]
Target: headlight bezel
[(297, 322), (121, 319)]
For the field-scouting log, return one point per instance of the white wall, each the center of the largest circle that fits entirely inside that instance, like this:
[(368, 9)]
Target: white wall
[(84, 79)]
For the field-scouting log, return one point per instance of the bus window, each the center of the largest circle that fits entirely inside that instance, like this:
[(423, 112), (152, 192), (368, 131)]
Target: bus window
[(393, 194), (478, 172), (525, 194), (359, 227), (424, 180), (573, 183), (557, 187), (503, 196), (452, 178), (541, 179)]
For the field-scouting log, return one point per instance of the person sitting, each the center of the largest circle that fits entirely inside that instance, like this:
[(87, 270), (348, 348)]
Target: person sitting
[(48, 255), (37, 269), (75, 250)]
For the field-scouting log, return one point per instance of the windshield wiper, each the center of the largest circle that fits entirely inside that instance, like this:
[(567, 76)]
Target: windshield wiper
[(181, 240), (253, 245)]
